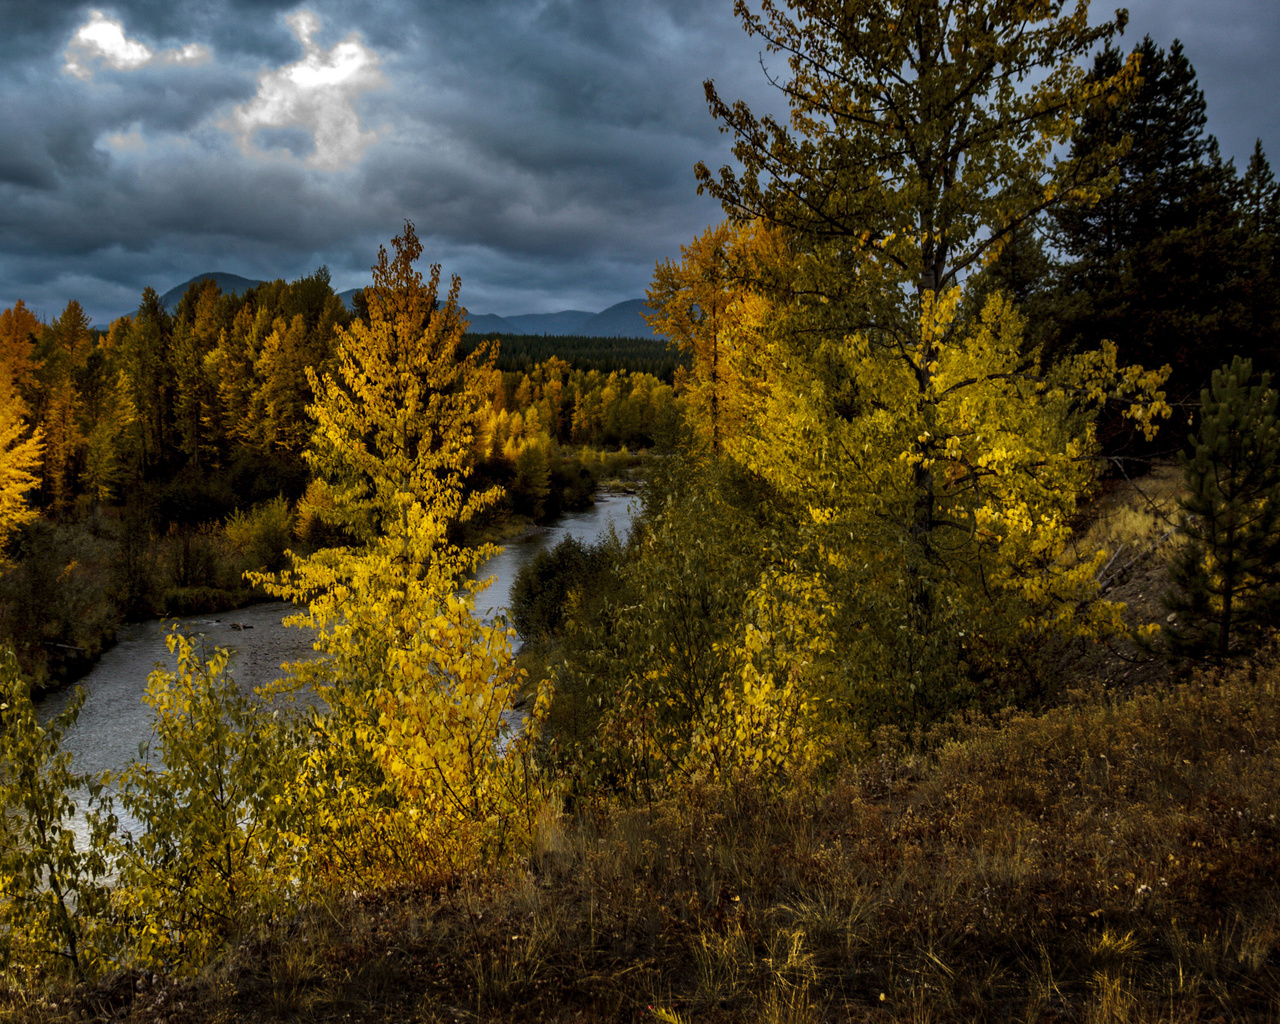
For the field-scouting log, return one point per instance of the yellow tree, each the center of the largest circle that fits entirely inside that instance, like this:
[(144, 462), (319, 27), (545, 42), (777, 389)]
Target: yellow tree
[(396, 421), (406, 771), (19, 329), (698, 304), (66, 352), (936, 464), (21, 452)]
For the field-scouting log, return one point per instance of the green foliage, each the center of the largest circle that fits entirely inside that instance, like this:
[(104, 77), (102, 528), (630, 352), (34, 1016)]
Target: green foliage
[(557, 579), (1228, 571), (212, 853), (60, 603), (260, 537), (928, 460), (53, 891)]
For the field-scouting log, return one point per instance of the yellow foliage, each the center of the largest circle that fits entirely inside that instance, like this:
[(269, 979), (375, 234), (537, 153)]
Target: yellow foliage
[(417, 766), (21, 452)]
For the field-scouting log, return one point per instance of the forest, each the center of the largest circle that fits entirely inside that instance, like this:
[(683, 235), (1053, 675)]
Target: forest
[(171, 450), (936, 680)]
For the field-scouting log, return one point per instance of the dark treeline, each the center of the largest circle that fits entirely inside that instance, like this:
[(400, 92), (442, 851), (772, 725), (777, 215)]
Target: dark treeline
[(521, 352), (1177, 263)]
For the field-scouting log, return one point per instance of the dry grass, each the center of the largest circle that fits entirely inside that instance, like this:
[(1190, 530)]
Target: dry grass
[(1135, 516), (1114, 860)]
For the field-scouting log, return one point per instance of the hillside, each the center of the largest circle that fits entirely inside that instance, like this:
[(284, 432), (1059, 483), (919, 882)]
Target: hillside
[(231, 284)]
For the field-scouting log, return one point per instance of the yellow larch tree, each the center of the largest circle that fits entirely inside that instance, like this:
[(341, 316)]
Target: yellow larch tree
[(407, 772), (21, 453)]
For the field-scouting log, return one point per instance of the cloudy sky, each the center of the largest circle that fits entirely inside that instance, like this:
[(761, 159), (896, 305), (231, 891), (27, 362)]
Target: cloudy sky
[(544, 148)]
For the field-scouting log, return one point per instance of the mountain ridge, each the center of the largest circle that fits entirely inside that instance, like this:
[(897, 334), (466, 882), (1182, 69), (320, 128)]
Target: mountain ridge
[(621, 320)]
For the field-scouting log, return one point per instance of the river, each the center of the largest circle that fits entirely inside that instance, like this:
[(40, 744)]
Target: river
[(114, 720)]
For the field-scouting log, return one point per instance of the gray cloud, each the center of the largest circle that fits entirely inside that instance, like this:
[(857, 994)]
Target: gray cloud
[(544, 149)]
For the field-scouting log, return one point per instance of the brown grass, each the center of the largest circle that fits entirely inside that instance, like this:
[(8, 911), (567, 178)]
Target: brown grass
[(1113, 860)]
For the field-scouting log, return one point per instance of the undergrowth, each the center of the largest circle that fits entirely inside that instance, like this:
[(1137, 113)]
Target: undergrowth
[(1115, 859)]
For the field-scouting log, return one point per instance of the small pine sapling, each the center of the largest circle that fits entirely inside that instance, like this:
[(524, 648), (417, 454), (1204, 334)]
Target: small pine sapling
[(1227, 574)]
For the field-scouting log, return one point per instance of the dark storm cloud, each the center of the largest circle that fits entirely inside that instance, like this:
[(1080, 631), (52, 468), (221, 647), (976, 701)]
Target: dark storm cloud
[(544, 148)]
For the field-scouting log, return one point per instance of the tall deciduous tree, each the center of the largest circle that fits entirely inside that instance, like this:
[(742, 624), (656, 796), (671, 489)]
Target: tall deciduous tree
[(699, 304), (21, 449), (66, 352), (396, 420), (19, 329), (21, 452), (937, 464), (410, 767)]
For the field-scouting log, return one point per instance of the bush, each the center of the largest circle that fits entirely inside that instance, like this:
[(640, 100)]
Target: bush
[(258, 539), (545, 587)]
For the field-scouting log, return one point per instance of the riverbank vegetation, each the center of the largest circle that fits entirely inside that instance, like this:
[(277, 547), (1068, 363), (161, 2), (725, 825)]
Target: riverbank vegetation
[(154, 463), (922, 689)]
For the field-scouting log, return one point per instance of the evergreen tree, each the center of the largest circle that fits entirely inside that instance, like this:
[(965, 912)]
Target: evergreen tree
[(1259, 213), (1155, 265), (1228, 571)]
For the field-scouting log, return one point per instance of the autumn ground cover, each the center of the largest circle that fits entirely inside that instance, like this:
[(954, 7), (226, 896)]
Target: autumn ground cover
[(1116, 858), (1112, 857)]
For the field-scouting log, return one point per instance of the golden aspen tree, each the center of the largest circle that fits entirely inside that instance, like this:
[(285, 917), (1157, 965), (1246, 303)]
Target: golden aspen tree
[(936, 464)]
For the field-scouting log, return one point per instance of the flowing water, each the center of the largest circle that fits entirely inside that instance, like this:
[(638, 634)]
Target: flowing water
[(114, 720)]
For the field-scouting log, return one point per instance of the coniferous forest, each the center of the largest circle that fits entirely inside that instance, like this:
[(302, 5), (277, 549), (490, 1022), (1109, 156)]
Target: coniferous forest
[(936, 680)]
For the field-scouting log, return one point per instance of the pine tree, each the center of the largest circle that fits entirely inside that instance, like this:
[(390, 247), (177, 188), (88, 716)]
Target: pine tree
[(1228, 570), (1155, 265), (1259, 211)]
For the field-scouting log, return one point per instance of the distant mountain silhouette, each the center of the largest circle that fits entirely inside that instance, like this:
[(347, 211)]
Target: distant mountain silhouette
[(568, 321), (231, 284), (624, 320)]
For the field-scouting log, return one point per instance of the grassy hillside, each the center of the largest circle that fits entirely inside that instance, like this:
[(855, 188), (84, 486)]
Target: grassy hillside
[(1114, 859)]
